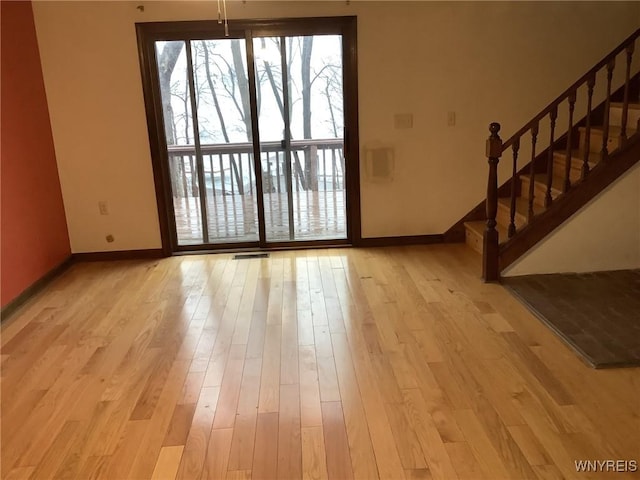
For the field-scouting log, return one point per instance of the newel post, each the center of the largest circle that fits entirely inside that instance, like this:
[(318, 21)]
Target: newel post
[(490, 270)]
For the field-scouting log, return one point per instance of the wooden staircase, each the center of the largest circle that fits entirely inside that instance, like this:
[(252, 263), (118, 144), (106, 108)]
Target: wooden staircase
[(474, 230), (563, 172)]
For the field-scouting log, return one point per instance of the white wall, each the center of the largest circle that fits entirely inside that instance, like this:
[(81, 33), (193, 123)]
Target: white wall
[(603, 235), (485, 61)]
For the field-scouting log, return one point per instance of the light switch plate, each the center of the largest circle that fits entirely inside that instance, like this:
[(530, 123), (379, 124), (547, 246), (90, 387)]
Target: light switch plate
[(403, 120)]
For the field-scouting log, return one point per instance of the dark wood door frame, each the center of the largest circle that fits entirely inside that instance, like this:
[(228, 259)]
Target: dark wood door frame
[(149, 33)]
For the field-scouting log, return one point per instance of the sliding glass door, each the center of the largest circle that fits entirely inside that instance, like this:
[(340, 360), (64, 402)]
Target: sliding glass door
[(253, 127), (208, 141), (301, 136)]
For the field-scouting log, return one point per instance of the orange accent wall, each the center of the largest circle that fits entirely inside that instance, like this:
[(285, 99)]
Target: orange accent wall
[(34, 237)]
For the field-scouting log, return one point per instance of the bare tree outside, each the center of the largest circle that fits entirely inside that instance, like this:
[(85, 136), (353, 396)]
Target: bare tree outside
[(167, 60), (229, 74)]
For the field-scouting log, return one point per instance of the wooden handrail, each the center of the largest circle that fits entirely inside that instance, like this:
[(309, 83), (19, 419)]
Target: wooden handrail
[(563, 96)]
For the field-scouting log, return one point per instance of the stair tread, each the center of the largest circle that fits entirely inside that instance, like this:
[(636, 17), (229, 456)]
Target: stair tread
[(577, 154), (614, 130), (576, 163), (632, 105), (522, 206), (557, 182)]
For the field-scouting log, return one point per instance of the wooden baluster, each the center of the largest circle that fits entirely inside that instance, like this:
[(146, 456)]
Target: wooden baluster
[(194, 177), (625, 105), (315, 163), (591, 82), (269, 182), (567, 163), (231, 173), (185, 188), (342, 166), (490, 257), (324, 169), (334, 171), (213, 180), (553, 115), (512, 224), (278, 174), (221, 175), (532, 170), (607, 107), (249, 173), (241, 186)]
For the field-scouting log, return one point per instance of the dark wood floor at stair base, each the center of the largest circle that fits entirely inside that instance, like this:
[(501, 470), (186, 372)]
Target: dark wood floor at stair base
[(596, 314)]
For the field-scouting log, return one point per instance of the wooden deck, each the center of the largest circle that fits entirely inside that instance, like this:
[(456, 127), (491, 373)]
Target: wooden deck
[(234, 218)]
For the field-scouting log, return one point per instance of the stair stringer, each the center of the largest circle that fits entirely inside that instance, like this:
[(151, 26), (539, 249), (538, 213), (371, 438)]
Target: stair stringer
[(603, 175), (603, 235)]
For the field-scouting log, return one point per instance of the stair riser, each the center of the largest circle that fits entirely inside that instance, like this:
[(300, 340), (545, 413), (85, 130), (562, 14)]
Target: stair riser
[(473, 240), (575, 174), (633, 117), (504, 217), (595, 144), (539, 190)]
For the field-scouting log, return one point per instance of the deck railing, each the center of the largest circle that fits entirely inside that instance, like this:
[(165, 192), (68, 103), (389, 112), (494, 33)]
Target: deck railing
[(316, 165)]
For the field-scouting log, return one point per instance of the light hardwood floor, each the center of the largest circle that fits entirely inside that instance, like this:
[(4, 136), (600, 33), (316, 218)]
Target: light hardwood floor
[(350, 363)]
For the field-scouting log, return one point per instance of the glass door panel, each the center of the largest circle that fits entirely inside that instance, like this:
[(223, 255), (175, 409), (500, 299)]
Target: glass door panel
[(181, 151), (315, 76), (302, 108), (224, 125), (271, 89)]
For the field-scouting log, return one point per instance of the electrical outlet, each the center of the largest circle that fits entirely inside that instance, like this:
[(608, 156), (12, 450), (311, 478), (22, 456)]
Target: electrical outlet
[(103, 207)]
